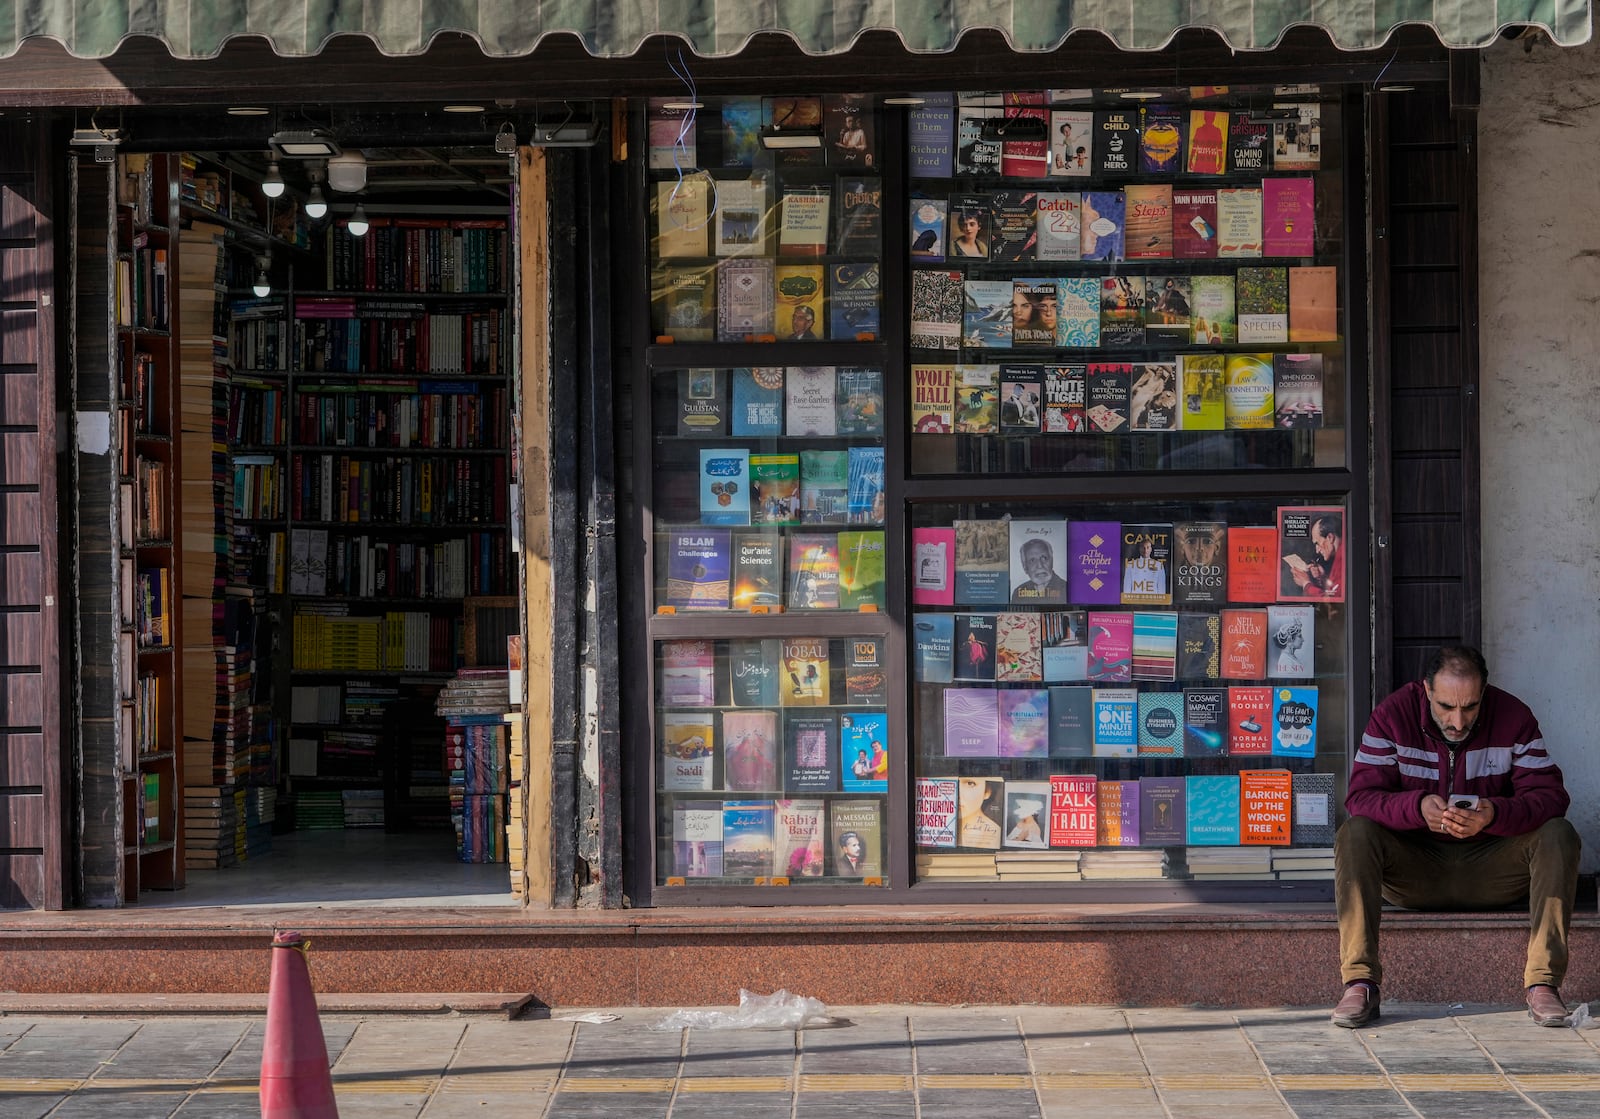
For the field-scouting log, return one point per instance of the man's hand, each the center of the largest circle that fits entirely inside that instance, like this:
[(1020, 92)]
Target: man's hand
[(1459, 823)]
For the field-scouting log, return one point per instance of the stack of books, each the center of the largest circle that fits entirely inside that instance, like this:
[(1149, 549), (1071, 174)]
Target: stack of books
[(1039, 866), (1230, 862), (1303, 863), (1105, 864), (966, 867), (213, 826)]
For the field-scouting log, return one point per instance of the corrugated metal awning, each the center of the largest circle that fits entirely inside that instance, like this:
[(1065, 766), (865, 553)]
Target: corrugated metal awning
[(199, 29)]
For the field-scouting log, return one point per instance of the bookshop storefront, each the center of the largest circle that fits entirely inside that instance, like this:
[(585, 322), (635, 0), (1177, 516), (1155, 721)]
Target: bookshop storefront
[(999, 449)]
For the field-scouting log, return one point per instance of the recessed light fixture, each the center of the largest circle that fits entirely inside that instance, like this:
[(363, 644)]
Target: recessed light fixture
[(682, 106), (1391, 88), (1141, 95), (248, 111), (308, 144), (911, 102), (463, 108)]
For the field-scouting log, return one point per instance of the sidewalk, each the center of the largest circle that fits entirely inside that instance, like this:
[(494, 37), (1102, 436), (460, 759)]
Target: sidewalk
[(884, 1063)]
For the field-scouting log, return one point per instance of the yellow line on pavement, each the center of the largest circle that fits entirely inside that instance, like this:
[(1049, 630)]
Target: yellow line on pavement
[(398, 1084), (734, 1084), (1055, 1081), (499, 1082), (1185, 1082), (36, 1085), (616, 1084), (1447, 1082), (1330, 1082), (854, 1082), (998, 1080)]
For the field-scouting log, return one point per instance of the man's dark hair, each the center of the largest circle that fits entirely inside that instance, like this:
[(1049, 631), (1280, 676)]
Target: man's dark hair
[(848, 836), (1457, 660), (1329, 525)]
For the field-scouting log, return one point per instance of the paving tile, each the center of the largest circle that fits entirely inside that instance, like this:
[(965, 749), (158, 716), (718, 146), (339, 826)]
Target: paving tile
[(386, 1106), (1355, 1104), (28, 1105), (1109, 1103), (855, 1105), (609, 1105), (1208, 1104), (1562, 1105), (220, 1105), (882, 1048), (631, 1051), (964, 1104), (721, 1105), (478, 1105), (121, 1103), (740, 1053), (175, 1048)]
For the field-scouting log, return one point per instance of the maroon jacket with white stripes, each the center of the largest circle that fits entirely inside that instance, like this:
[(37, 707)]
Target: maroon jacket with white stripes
[(1403, 758)]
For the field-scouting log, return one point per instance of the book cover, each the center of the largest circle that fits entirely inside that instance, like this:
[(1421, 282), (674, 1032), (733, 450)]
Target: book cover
[(1078, 312), (1027, 815), (1161, 134), (1291, 642), (1215, 319), (1100, 225), (1169, 319), (936, 304), (687, 747), (1297, 137), (1199, 647), (1194, 223), (702, 403), (1297, 390), (854, 307), (1035, 312), (933, 639), (1057, 229), (1310, 553), (1249, 721), (1116, 141), (1312, 823), (1288, 216), (747, 838), (697, 838), (931, 137), (1148, 221), (971, 723), (1025, 149), (1212, 810), (1238, 222), (1021, 393), (1038, 550), (1294, 722), (974, 647), (1122, 310), (986, 317), (683, 218), (864, 751), (978, 149), (1146, 560), (1200, 574), (683, 302), (1244, 644), (982, 550), (859, 396), (866, 672), (936, 812), (670, 136), (1252, 564), (865, 504), (1262, 301), (1064, 645), (814, 571), (1117, 815), (775, 489), (1314, 304), (1265, 806), (933, 553), (799, 851), (1160, 724), (809, 404), (1071, 143), (804, 224), (1071, 722), (859, 230), (824, 486), (929, 219), (861, 569), (1024, 722), (803, 679), (1015, 229), (1249, 143), (724, 486), (750, 751), (857, 830), (757, 401), (1072, 809), (980, 812), (1116, 722), (741, 131), (741, 217), (688, 674), (1162, 820), (933, 399), (977, 399), (1017, 650), (1153, 396), (798, 309), (810, 741), (744, 298), (753, 672), (1208, 142), (1205, 722), (698, 561), (1065, 387), (1155, 645), (1247, 392), (971, 232), (1094, 551), (1107, 391)]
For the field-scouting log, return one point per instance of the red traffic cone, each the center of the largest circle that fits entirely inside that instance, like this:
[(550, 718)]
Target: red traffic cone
[(295, 1081)]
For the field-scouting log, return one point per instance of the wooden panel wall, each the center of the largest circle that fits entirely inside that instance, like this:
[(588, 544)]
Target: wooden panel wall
[(31, 847)]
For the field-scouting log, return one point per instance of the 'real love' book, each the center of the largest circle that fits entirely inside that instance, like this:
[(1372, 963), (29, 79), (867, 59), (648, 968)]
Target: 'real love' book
[(1294, 722), (933, 561), (753, 666), (1199, 647), (1291, 642), (1265, 806), (775, 489), (1205, 722), (688, 674), (1117, 814), (1108, 385), (929, 217), (688, 741), (1297, 390), (1058, 230), (1035, 311), (1161, 812), (824, 486), (982, 562), (1207, 151), (862, 820), (935, 824), (860, 221), (697, 838), (1078, 312), (1017, 650), (724, 486), (1064, 645), (974, 647), (757, 401), (1146, 562), (854, 301), (971, 723), (1110, 646), (1065, 388), (1161, 136), (1249, 143), (744, 298), (1116, 722), (1250, 720), (1288, 216), (1155, 645), (933, 399), (933, 647), (1101, 225), (1072, 809), (813, 571), (1238, 222), (1094, 561), (1247, 392), (866, 672), (1244, 644), (864, 751), (799, 849), (1071, 722), (1200, 570), (698, 561), (1160, 724), (1027, 815), (1212, 809), (1215, 320), (1122, 310), (747, 838), (861, 570), (1015, 233), (1147, 212), (804, 673), (1262, 301), (702, 403), (1194, 223), (1252, 564), (1314, 304), (750, 751), (1024, 722), (980, 812), (810, 750), (683, 302), (937, 303)]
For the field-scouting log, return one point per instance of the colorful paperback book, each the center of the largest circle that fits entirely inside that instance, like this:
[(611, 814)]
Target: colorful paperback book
[(1064, 645), (1294, 722), (1025, 156), (933, 561), (775, 489), (865, 502), (1078, 312), (688, 674), (1194, 223), (1071, 143), (702, 403), (1208, 142), (1252, 564), (938, 300), (859, 396), (856, 828), (744, 298), (1212, 809), (1203, 393), (931, 137), (1065, 388), (1244, 644), (1291, 643), (1250, 720), (753, 672), (860, 224), (987, 315), (741, 131), (799, 848), (1297, 137), (1288, 216), (1312, 824), (687, 750), (1297, 390), (864, 751), (1018, 654), (974, 647), (1161, 815), (814, 571), (1108, 385), (757, 401), (1153, 396), (1199, 647), (1110, 646), (683, 218), (1205, 722), (1072, 809), (1021, 399), (1247, 392), (810, 407), (861, 569), (1024, 722), (978, 150), (757, 571), (1116, 141), (1200, 574), (1161, 135), (1146, 562), (935, 824), (1169, 319), (1038, 551), (1100, 225), (824, 486), (1155, 645), (980, 812), (1035, 312), (1015, 230), (1058, 229), (741, 217), (933, 399), (1160, 724), (670, 135), (747, 838), (1071, 722), (1094, 551), (1122, 310), (1216, 318), (1265, 806), (1238, 222), (803, 680), (929, 219), (798, 315), (698, 563), (1314, 304), (933, 639), (697, 838), (1117, 815), (977, 399), (1263, 305), (810, 743), (1027, 815), (1249, 144), (866, 680), (1311, 553), (982, 567), (853, 301), (683, 302), (971, 723), (724, 486), (804, 226), (749, 751), (1148, 221), (971, 232)]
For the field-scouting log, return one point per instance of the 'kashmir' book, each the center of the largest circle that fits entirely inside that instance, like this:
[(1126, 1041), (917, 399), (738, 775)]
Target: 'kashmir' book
[(1250, 720), (1064, 391), (1155, 645), (933, 558), (974, 647), (1294, 722), (753, 672), (933, 399), (1024, 722), (1200, 575), (856, 828), (1265, 797), (1205, 722), (813, 571), (1072, 809), (1094, 551), (981, 562), (1247, 392), (1116, 722), (1263, 305), (1018, 653), (980, 812), (1161, 814), (1212, 808), (933, 647), (1199, 647), (866, 679), (1244, 644), (798, 849), (757, 401), (1078, 312), (810, 749), (804, 227), (853, 301), (1238, 222), (698, 561), (1027, 815), (1252, 564), (803, 679), (971, 723), (1063, 639), (1071, 722), (1160, 724), (749, 751), (935, 824)]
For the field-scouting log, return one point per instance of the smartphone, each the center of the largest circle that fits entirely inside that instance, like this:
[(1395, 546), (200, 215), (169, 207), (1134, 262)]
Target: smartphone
[(1463, 800)]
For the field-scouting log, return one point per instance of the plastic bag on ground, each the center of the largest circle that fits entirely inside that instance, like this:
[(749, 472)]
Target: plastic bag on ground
[(1582, 1020), (777, 1011)]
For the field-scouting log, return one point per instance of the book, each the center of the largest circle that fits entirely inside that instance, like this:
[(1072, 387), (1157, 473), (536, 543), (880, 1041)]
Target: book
[(1107, 389), (688, 674), (864, 751), (1238, 222), (798, 309), (971, 232), (1161, 136), (1035, 312), (1116, 722), (1101, 225), (1078, 312), (1038, 550), (1018, 653), (1297, 390), (1027, 815), (1024, 722), (1297, 137), (809, 406), (1207, 152), (977, 399), (856, 827), (1162, 820), (697, 838), (1252, 564), (683, 218), (861, 570), (974, 647), (744, 298), (804, 224), (1116, 141), (1094, 563), (935, 824), (1265, 806), (1291, 642), (929, 218), (1117, 814), (971, 723), (683, 302), (865, 500), (982, 550), (1288, 216), (1071, 722), (1025, 143), (1249, 720), (931, 137), (1146, 560), (753, 672), (933, 555), (1065, 387), (1310, 543), (1244, 644), (810, 747), (854, 301), (775, 489), (1160, 724), (1122, 310), (1014, 229), (933, 399), (1153, 396), (938, 300), (1057, 229), (859, 229), (824, 486), (1071, 143), (978, 146), (698, 562), (980, 812), (1064, 645), (1211, 805), (986, 317), (702, 403), (741, 217), (933, 647), (1262, 301), (866, 672), (1200, 573), (750, 751), (670, 136), (813, 571), (1199, 647), (1155, 645), (741, 132), (798, 848), (1294, 722), (757, 401), (1205, 722), (687, 747), (1072, 809), (1194, 223), (1215, 319), (859, 401), (1312, 822), (724, 486), (1314, 304), (804, 673), (747, 838), (1169, 319), (1249, 143), (1147, 211), (1247, 392)]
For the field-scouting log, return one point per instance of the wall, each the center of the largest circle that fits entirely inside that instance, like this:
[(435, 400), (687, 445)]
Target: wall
[(1539, 275)]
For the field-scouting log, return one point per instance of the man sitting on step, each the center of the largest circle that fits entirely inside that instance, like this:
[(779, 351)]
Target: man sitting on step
[(1454, 803)]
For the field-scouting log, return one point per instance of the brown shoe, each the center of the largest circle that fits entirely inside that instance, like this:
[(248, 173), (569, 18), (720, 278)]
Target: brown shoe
[(1358, 1007), (1545, 1006)]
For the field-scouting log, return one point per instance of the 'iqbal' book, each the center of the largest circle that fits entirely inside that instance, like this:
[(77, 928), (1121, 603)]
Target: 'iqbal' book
[(810, 742), (1314, 304), (1265, 807), (933, 647), (1094, 562), (1291, 642), (935, 824), (803, 679), (775, 489), (1146, 561), (1247, 392), (1058, 230), (1024, 722), (1311, 553), (974, 647), (1107, 393), (1205, 722), (1148, 221), (1199, 647), (1244, 644), (980, 812), (1018, 654), (1200, 572), (933, 399), (698, 560), (1262, 296), (1117, 814), (1250, 720), (971, 723), (1027, 815), (688, 674), (1288, 216), (855, 828), (813, 571), (697, 838), (750, 751), (1160, 724), (1116, 722), (1216, 318), (1297, 390), (1212, 807), (1207, 152), (757, 401), (1071, 722), (933, 560), (1155, 645), (1294, 722), (1072, 809), (753, 672), (687, 748), (977, 399), (937, 304), (724, 486), (747, 838), (864, 751), (1101, 225), (1252, 564), (866, 673), (1078, 312), (1161, 812), (1063, 640), (861, 569), (824, 486), (1194, 223), (799, 851), (929, 217), (1064, 390), (854, 308), (981, 562)]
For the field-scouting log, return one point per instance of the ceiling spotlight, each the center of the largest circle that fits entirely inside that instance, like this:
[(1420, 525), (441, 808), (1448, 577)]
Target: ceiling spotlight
[(263, 284), (248, 111), (463, 108), (910, 101), (272, 185), (347, 173), (308, 144), (358, 224)]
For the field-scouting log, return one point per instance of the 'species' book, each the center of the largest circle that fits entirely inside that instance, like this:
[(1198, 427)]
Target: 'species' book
[(1078, 312), (1071, 143), (1122, 310), (688, 741), (1116, 141), (724, 486), (747, 838), (855, 828), (1265, 806), (865, 505), (1146, 561), (698, 561), (1147, 221), (1244, 644), (1094, 551), (1116, 722), (1200, 572), (933, 399), (866, 672), (809, 406), (824, 486), (1252, 564), (1071, 722), (1161, 138), (933, 561), (986, 319), (1312, 824), (1249, 720), (980, 812), (683, 302), (1162, 820), (1064, 644), (1291, 642), (977, 399), (683, 218), (799, 845), (1160, 724), (813, 571), (1199, 647), (1194, 223), (1021, 399), (1035, 312), (1072, 809), (804, 673), (1065, 387), (935, 824), (864, 751), (1108, 384), (688, 674), (1262, 296), (753, 666), (1297, 390), (1249, 144), (750, 751), (981, 562), (860, 224), (1205, 722), (697, 838), (757, 401), (1027, 815), (929, 218), (1314, 304), (1058, 230), (937, 303), (1294, 722), (1288, 216), (1024, 722), (854, 306), (861, 569), (971, 723), (1238, 222), (1212, 810), (1101, 223), (1015, 226), (1038, 551), (1117, 814), (931, 137), (1017, 649), (702, 403), (1247, 392), (1311, 554), (775, 489), (1216, 317), (974, 647), (1207, 152), (933, 647), (1155, 645), (744, 298), (859, 395)]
